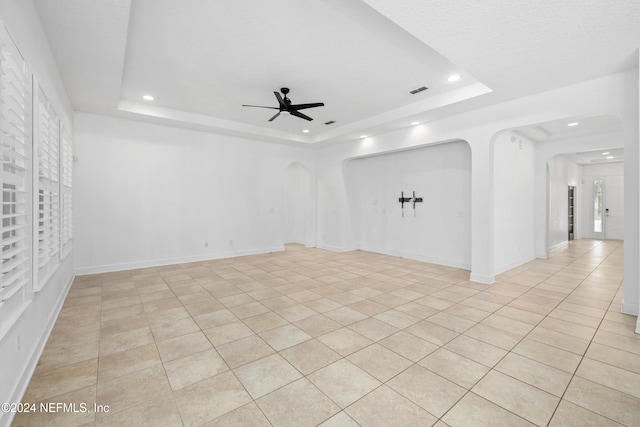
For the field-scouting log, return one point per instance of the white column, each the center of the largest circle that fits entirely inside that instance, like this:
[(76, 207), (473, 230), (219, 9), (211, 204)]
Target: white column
[(482, 269)]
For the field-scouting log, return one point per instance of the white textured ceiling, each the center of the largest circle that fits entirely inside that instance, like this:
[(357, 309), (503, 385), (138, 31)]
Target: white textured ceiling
[(203, 59)]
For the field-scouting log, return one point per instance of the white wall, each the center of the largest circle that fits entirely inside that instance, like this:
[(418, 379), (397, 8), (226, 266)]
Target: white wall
[(561, 174), (589, 173), (22, 344), (438, 230), (514, 189), (150, 195)]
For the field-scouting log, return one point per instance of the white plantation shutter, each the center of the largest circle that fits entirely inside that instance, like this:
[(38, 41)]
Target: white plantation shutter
[(66, 168), (15, 149), (48, 189)]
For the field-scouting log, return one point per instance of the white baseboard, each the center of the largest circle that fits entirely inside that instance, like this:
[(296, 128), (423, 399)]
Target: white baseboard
[(337, 248), (418, 257), (514, 264), (107, 268), (558, 246), (628, 308), (485, 280)]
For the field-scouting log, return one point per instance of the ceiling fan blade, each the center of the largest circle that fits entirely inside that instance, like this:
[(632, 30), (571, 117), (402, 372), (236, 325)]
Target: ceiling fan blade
[(299, 114), (280, 100), (272, 118), (260, 106), (303, 106)]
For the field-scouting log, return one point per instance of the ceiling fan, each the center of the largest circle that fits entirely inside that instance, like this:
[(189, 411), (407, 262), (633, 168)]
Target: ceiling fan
[(285, 105)]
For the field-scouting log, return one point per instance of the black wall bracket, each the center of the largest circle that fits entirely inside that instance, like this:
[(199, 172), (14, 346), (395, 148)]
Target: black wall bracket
[(412, 199)]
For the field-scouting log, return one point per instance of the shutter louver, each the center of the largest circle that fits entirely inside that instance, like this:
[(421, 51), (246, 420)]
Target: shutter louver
[(15, 149)]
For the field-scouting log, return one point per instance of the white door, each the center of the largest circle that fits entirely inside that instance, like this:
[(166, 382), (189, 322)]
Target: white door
[(614, 208)]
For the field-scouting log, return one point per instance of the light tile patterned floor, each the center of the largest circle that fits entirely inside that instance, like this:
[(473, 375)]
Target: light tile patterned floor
[(309, 337)]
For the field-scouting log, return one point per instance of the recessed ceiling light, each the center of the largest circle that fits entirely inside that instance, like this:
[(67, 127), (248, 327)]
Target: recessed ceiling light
[(609, 157), (147, 98), (605, 153), (573, 124), (415, 123), (363, 136), (305, 131), (454, 78)]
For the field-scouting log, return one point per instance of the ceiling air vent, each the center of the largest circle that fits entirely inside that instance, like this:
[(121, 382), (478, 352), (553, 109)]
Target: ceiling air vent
[(330, 122), (420, 89)]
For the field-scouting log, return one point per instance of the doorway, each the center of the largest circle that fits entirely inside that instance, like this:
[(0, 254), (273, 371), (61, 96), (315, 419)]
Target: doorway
[(296, 204), (608, 207), (571, 211)]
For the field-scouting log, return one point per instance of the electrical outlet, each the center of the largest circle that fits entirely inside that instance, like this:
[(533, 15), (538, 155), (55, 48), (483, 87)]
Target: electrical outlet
[(206, 244), (231, 243)]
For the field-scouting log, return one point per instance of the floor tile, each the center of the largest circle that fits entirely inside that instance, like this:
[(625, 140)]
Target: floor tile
[(613, 356), (449, 321), (557, 339), (341, 419), (153, 413), (343, 382), (247, 415), (266, 375), (117, 364), (457, 369), (476, 350), (428, 390), (285, 336), (432, 332), (502, 339), (209, 399), (549, 355), (373, 329), (385, 407), (227, 333), (345, 315), (534, 373), (604, 401), (610, 376), (396, 318), (473, 410), (52, 382), (193, 368), (569, 414), (526, 401), (409, 346), (310, 356), (298, 404), (379, 362), (133, 389), (317, 325), (344, 341), (174, 348), (76, 399), (244, 350)]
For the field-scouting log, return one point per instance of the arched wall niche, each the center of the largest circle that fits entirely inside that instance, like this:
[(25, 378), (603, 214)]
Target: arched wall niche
[(438, 230)]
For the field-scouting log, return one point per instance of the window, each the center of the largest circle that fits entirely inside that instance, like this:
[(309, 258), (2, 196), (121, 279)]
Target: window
[(15, 148), (66, 168), (597, 206), (48, 190)]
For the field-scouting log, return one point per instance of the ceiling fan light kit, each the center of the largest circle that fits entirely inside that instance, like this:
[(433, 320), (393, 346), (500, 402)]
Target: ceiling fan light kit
[(285, 106)]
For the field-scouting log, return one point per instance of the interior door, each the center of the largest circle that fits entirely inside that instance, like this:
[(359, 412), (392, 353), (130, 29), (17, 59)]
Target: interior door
[(614, 208)]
